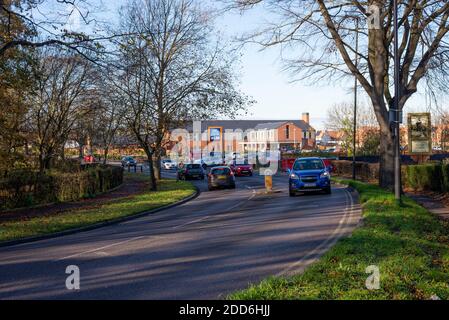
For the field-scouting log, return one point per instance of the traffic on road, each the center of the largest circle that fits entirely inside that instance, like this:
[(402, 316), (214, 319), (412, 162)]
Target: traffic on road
[(205, 248)]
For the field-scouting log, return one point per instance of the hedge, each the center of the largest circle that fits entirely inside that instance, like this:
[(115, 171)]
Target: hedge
[(28, 188), (364, 171), (432, 177)]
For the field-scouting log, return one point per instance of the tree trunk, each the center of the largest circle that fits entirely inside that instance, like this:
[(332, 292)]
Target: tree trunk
[(41, 162), (106, 151), (81, 151), (157, 167), (387, 151), (153, 181)]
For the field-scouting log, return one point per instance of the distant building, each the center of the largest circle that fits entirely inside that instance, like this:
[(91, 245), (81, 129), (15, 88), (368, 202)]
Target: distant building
[(253, 135), (330, 139)]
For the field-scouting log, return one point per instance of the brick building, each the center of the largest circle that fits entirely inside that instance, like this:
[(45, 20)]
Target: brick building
[(242, 136)]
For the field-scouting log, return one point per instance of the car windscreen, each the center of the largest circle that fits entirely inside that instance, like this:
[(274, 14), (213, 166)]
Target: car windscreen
[(308, 164), (220, 171), (193, 166)]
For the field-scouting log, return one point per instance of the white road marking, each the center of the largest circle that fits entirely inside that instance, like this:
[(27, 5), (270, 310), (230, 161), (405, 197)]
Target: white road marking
[(330, 241), (98, 249), (227, 210), (191, 222)]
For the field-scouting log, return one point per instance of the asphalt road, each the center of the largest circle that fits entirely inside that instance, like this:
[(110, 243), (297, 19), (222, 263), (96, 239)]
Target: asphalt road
[(204, 249)]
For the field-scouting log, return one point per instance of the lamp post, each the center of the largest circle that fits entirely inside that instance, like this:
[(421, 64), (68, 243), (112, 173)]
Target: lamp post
[(355, 100), (395, 114)]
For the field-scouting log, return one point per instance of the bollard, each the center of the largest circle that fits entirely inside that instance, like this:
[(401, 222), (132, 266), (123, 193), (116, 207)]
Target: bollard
[(269, 183)]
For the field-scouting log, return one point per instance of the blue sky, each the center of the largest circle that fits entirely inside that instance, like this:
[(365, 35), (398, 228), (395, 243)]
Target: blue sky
[(261, 72)]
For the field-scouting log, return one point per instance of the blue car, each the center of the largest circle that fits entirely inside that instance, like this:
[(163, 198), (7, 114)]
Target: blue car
[(309, 174)]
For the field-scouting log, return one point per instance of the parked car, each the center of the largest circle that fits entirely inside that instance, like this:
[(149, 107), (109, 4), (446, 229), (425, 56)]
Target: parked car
[(206, 162), (129, 161), (202, 163), (242, 169), (309, 174), (168, 164), (89, 159), (221, 177), (191, 171), (328, 164)]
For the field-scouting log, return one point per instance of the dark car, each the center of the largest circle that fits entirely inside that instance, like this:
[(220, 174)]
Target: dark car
[(309, 174), (242, 169), (191, 171), (128, 161), (221, 177)]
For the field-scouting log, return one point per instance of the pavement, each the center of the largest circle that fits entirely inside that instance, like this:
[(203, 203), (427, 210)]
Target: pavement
[(204, 249), (434, 206)]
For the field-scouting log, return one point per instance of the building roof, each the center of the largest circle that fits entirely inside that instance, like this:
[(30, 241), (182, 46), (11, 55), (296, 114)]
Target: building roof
[(269, 125), (248, 124)]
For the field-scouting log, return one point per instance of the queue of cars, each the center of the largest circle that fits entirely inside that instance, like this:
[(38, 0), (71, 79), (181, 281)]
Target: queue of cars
[(309, 174)]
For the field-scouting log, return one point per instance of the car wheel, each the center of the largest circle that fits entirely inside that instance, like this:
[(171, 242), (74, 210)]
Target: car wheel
[(328, 190), (291, 193), (232, 186)]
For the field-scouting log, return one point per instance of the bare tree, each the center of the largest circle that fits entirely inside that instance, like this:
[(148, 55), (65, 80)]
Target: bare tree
[(110, 117), (61, 98), (172, 71), (340, 117), (41, 26), (324, 33)]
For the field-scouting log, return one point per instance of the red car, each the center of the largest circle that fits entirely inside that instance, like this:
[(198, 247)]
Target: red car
[(328, 164), (242, 169)]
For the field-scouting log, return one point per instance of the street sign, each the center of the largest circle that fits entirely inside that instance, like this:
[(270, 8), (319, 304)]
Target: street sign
[(419, 133)]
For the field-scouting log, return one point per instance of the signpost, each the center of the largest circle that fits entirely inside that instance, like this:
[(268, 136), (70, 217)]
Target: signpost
[(419, 134), (395, 111)]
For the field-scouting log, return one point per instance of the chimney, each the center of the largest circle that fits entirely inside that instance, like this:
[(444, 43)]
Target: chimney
[(306, 117)]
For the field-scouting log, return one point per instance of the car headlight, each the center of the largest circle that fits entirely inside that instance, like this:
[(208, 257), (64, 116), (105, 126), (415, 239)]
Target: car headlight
[(325, 175), (294, 176)]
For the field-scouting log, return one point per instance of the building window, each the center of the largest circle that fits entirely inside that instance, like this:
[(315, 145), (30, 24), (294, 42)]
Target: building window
[(287, 132)]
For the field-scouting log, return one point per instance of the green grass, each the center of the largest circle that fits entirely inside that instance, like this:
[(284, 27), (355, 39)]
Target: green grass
[(408, 244), (169, 192)]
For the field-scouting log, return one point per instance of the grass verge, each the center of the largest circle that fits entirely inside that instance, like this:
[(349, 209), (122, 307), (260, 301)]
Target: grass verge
[(408, 244), (169, 192)]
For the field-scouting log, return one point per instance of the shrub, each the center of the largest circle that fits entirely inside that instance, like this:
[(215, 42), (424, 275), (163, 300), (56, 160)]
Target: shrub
[(25, 187), (427, 177), (364, 171)]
